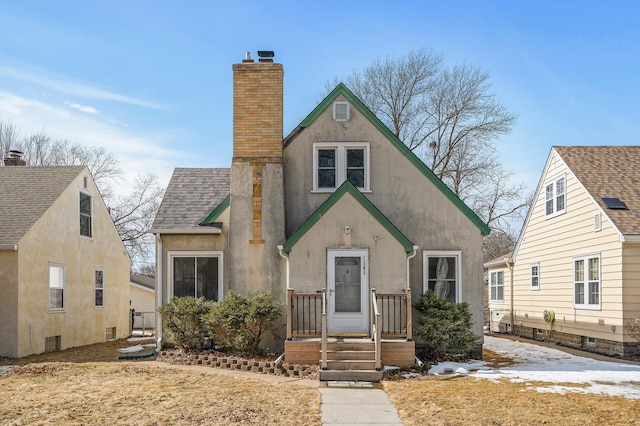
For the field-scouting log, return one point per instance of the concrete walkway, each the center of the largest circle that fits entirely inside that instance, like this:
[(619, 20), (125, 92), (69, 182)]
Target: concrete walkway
[(356, 405)]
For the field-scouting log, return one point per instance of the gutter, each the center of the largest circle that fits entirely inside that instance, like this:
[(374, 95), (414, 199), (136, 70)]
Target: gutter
[(509, 262), (285, 256), (9, 247), (409, 257), (189, 231), (630, 238)]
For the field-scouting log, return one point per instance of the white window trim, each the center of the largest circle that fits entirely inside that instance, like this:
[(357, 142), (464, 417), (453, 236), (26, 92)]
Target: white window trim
[(426, 254), (554, 182), (531, 266), (96, 289), (64, 277), (341, 163), (335, 117), (585, 258), (179, 253), (491, 284), (90, 237)]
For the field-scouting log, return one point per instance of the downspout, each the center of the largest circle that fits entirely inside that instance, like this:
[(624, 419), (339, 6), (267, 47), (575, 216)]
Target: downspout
[(285, 256), (158, 291), (509, 262), (409, 257)]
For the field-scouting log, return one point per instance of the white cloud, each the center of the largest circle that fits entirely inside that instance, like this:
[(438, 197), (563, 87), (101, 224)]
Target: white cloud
[(69, 87), (83, 108)]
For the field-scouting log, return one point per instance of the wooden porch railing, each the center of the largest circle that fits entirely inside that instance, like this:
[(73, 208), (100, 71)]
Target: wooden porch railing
[(376, 330), (395, 312), (304, 314)]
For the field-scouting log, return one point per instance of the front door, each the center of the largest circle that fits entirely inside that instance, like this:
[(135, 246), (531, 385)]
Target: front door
[(348, 292)]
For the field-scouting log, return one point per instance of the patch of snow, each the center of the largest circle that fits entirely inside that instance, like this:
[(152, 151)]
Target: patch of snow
[(390, 367), (543, 364), (131, 349), (5, 367), (139, 339)]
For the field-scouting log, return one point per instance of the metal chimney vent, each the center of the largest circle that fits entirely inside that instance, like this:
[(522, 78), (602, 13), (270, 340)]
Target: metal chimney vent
[(266, 55)]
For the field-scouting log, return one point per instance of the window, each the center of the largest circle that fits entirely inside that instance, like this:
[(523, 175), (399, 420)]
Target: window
[(85, 214), (497, 286), (586, 282), (555, 197), (341, 111), (441, 274), (196, 274), (535, 276), (335, 163), (56, 287), (99, 288)]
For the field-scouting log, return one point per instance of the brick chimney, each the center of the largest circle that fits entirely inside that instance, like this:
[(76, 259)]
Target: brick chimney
[(14, 159), (257, 183)]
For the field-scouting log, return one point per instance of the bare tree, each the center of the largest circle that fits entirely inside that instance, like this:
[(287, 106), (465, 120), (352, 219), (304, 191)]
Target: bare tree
[(132, 214), (450, 118)]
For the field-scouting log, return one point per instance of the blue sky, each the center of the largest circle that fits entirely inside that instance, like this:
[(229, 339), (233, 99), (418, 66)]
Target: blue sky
[(151, 80)]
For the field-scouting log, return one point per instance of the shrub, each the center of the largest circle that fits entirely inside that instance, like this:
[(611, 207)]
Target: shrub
[(238, 322), (183, 319), (444, 327)]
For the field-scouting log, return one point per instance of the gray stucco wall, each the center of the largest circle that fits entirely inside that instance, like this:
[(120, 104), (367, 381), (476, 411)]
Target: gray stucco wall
[(400, 191), (9, 303)]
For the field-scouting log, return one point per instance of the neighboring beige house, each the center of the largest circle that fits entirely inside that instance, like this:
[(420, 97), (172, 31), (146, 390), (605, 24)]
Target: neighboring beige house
[(142, 294), (339, 217), (64, 271), (578, 257)]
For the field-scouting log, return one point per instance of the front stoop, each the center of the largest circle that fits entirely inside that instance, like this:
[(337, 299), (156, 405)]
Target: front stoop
[(350, 360)]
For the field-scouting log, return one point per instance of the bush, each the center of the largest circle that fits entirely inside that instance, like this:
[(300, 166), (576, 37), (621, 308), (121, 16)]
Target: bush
[(444, 327), (183, 318), (238, 322)]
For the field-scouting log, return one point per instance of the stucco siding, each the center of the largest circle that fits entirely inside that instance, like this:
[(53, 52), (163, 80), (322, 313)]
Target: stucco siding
[(399, 190), (387, 259), (56, 239), (9, 303), (553, 243), (195, 243)]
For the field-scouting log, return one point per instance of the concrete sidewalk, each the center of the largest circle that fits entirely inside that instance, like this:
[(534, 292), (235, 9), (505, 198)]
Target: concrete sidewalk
[(357, 406)]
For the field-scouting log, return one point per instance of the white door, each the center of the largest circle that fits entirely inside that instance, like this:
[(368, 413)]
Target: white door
[(348, 292)]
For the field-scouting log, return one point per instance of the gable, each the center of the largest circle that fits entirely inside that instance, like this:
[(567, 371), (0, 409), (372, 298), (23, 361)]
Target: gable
[(344, 93), (343, 190), (26, 193)]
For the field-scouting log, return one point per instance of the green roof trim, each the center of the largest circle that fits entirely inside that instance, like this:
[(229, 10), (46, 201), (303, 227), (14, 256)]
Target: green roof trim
[(341, 89), (216, 212), (347, 187)]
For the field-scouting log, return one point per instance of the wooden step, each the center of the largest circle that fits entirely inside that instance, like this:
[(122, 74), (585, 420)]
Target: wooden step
[(350, 355), (341, 364), (351, 375)]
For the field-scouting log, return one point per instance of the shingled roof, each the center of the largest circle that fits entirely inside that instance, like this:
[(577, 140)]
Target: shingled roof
[(26, 193), (191, 195), (609, 172)]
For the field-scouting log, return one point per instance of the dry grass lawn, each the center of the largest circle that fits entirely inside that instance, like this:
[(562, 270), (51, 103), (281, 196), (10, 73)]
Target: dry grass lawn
[(457, 400), (85, 392), (91, 386)]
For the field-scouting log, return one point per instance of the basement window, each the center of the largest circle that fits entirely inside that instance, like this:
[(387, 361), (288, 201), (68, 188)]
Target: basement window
[(52, 343)]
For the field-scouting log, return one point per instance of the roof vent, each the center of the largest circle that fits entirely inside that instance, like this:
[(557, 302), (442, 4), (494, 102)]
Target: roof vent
[(614, 204), (266, 56)]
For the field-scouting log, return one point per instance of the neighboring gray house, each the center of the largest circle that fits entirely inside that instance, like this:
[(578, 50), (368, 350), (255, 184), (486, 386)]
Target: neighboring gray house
[(339, 217)]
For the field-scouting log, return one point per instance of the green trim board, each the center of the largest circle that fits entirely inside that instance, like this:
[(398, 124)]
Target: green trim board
[(347, 187), (341, 89), (216, 212)]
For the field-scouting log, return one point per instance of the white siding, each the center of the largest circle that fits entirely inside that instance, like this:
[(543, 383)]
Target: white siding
[(553, 243)]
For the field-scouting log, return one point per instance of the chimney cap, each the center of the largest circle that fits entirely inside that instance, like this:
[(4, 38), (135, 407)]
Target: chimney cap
[(15, 153), (266, 53)]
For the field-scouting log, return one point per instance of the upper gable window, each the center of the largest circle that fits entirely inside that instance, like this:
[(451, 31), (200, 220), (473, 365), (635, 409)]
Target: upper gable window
[(341, 111), (555, 197), (85, 214), (333, 163)]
